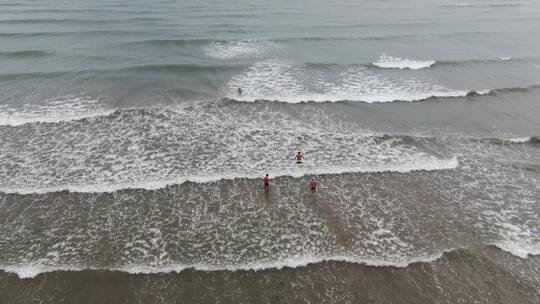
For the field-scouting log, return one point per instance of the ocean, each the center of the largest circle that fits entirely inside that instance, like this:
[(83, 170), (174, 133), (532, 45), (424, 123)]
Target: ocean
[(134, 136)]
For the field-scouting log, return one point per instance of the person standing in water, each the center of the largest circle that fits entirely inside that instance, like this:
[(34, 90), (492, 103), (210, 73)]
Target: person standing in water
[(239, 91), (299, 158), (313, 185), (266, 181)]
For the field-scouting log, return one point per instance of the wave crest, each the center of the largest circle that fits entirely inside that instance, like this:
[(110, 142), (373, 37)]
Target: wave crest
[(28, 271), (25, 53), (239, 48), (421, 165), (55, 110), (389, 62), (292, 83)]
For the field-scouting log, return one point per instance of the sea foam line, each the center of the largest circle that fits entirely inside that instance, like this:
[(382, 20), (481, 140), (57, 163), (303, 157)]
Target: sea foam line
[(519, 249), (375, 98), (519, 140), (424, 165), (389, 62), (31, 270), (64, 108), (19, 120)]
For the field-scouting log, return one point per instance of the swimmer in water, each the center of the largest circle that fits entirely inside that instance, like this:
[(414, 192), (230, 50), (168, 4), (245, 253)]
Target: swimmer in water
[(299, 158), (266, 181), (313, 185)]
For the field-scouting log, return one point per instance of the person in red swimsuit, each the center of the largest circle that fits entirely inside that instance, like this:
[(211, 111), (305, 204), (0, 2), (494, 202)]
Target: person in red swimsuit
[(313, 185), (266, 181), (299, 158)]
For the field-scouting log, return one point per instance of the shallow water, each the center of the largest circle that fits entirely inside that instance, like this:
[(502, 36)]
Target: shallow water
[(130, 165)]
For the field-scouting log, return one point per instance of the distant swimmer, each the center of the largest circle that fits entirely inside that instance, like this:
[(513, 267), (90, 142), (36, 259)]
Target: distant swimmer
[(266, 181), (313, 185), (299, 158), (239, 91)]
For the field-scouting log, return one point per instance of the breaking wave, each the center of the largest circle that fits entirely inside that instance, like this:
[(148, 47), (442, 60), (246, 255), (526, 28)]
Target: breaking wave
[(72, 108), (515, 140), (281, 81), (389, 62), (65, 108), (32, 270), (421, 165), (28, 271), (239, 48)]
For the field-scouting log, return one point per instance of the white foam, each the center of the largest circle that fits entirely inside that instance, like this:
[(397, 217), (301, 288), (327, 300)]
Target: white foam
[(66, 108), (461, 4), (34, 269), (29, 271), (518, 140), (286, 82), (389, 62), (238, 48), (199, 143), (519, 239), (520, 249), (483, 92), (419, 165), (506, 58)]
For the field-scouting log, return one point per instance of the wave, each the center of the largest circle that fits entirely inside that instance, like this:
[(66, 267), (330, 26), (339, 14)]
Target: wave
[(171, 68), (388, 98), (60, 109), (519, 249), (68, 33), (31, 270), (385, 98), (389, 62), (74, 10), (238, 48), (74, 21), (54, 21), (73, 110), (177, 68), (511, 90), (291, 83), (221, 49), (476, 61), (25, 53), (423, 165), (535, 140), (177, 42), (515, 140), (467, 4), (100, 73), (53, 113), (227, 50)]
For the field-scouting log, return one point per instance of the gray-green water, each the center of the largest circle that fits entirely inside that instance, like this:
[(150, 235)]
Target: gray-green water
[(131, 167)]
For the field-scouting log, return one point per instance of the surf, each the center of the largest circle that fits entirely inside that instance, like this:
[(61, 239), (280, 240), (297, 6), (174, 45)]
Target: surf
[(433, 165), (32, 270)]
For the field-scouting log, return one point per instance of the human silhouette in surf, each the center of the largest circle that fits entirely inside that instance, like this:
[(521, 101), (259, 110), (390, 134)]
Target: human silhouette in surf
[(299, 158), (266, 181), (313, 184)]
